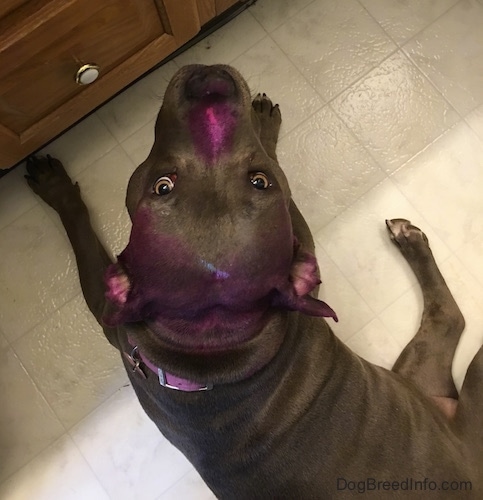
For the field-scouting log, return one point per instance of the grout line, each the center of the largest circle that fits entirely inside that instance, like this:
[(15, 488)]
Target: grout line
[(429, 145), (430, 81), (41, 395), (85, 418), (13, 221), (434, 21), (285, 20), (414, 35)]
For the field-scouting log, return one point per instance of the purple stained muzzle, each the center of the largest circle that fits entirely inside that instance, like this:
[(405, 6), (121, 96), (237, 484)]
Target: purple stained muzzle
[(210, 82), (213, 115)]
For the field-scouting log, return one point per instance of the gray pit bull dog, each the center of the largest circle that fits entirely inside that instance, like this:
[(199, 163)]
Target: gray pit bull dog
[(213, 307)]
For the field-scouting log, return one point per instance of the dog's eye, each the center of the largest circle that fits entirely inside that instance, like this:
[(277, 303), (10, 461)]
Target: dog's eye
[(164, 185), (260, 180)]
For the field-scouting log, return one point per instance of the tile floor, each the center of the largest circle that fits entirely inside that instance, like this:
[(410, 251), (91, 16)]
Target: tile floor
[(383, 117)]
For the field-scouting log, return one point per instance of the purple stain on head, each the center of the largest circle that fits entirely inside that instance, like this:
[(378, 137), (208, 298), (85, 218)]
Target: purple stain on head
[(212, 127)]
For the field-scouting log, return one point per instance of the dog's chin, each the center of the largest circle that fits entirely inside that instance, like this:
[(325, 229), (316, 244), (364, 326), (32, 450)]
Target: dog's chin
[(214, 330), (226, 357)]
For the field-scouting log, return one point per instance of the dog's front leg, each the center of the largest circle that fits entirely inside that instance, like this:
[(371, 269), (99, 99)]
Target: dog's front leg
[(49, 180)]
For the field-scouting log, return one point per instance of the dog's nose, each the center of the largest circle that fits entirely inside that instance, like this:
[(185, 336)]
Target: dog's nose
[(210, 81)]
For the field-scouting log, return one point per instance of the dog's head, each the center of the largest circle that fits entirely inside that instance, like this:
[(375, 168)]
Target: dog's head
[(212, 250)]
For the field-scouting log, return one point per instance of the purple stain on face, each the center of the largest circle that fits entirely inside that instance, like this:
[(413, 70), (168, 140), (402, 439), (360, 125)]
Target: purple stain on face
[(164, 276), (215, 130), (160, 274), (212, 127)]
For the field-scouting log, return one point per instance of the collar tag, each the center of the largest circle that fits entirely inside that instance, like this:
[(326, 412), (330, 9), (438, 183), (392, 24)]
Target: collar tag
[(134, 360)]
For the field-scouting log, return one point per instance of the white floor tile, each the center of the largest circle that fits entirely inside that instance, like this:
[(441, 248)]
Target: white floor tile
[(3, 341), (450, 50), (138, 145), (188, 487), (272, 13), (27, 423), (333, 44), (126, 451), (358, 242), (226, 44), (81, 145), (376, 109), (402, 20), (71, 362), (38, 277), (326, 166), (471, 254), (58, 472), (374, 343), (403, 317), (475, 121), (16, 197), (444, 183), (266, 67), (352, 311), (140, 103)]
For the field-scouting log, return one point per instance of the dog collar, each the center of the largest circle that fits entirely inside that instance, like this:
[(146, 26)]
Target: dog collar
[(136, 359)]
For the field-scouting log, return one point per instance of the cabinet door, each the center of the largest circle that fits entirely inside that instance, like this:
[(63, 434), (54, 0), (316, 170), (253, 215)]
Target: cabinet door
[(208, 9), (44, 43), (222, 5)]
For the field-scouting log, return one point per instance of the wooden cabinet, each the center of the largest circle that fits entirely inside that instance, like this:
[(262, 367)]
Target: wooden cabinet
[(44, 43)]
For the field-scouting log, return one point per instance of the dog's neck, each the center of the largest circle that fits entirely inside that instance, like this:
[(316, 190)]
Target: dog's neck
[(231, 365)]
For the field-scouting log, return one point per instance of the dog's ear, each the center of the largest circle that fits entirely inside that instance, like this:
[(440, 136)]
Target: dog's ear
[(120, 304), (303, 279)]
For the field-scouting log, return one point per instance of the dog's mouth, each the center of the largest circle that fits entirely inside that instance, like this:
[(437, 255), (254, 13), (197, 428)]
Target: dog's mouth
[(210, 83)]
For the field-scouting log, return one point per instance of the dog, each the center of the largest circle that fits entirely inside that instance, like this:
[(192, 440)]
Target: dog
[(213, 307)]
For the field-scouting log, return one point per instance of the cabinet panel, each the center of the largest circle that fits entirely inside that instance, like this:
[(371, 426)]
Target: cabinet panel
[(7, 6), (37, 71), (206, 10), (222, 5)]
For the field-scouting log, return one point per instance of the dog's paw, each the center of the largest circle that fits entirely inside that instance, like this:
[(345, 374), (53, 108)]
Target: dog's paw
[(268, 113), (263, 105), (407, 237), (48, 179), (270, 120)]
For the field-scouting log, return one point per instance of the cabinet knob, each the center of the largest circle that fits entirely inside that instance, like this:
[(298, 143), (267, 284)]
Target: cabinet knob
[(86, 74)]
